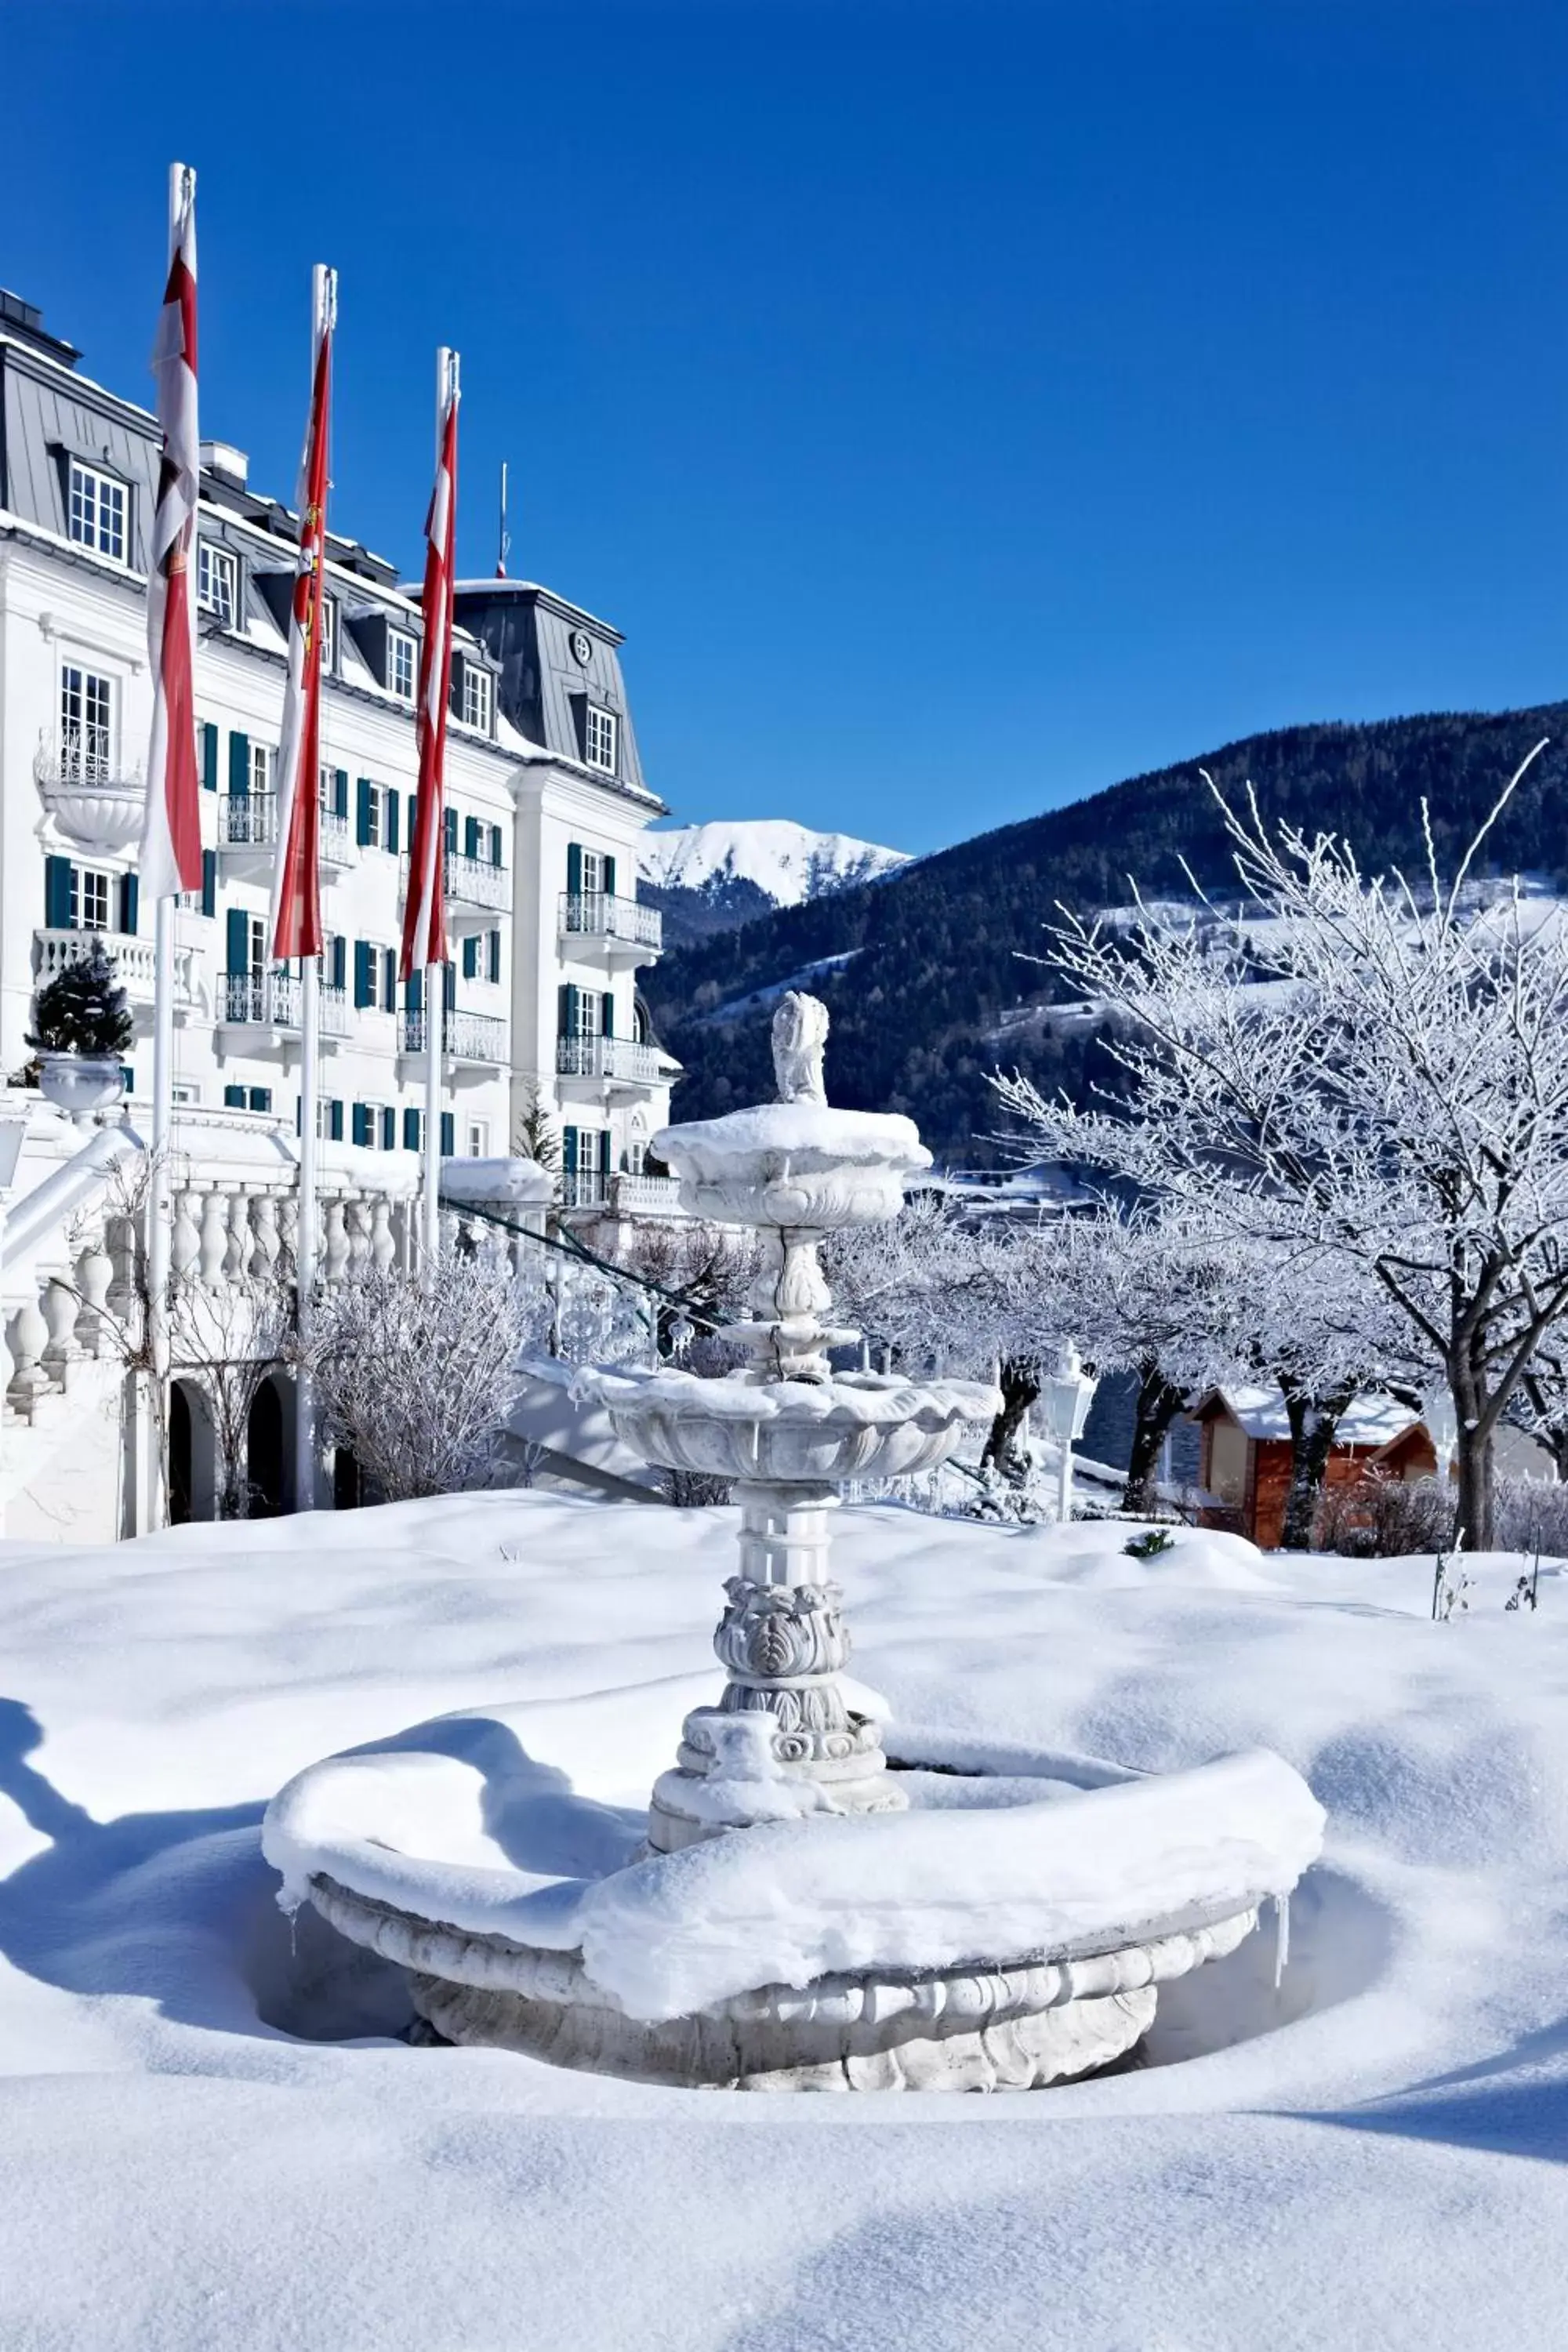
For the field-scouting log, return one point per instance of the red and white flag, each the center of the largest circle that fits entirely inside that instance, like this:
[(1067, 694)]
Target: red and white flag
[(296, 875), (425, 913), (172, 831)]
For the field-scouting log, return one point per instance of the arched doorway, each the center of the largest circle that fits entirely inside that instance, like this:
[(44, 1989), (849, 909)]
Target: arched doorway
[(264, 1449), (181, 1453)]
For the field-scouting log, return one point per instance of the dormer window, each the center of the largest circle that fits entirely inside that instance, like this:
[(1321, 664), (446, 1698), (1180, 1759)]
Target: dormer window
[(402, 664), (476, 697), (328, 633), (217, 581), (599, 749), (96, 510)]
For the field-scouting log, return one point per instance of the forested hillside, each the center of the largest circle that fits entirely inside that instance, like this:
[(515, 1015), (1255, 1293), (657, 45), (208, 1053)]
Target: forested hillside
[(922, 970)]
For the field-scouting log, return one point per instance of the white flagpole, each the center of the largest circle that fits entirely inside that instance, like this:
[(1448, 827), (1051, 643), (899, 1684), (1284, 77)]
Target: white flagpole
[(435, 974), (160, 1193), (323, 318)]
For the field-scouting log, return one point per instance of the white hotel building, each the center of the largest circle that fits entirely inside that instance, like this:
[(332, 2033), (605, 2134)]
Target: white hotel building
[(545, 801)]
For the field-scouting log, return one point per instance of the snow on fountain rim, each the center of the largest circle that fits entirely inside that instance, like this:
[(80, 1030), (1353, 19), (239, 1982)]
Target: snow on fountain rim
[(852, 1401), (809, 1137), (1075, 1872)]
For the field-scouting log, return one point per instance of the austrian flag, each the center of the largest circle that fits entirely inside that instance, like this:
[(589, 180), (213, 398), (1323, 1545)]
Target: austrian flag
[(172, 832), (296, 875), (425, 913)]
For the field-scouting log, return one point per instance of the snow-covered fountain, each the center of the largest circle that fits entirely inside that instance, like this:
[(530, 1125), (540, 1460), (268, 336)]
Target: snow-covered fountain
[(816, 1903)]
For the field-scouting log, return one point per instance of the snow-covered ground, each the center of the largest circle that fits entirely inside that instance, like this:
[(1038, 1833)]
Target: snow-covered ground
[(788, 862), (209, 2136)]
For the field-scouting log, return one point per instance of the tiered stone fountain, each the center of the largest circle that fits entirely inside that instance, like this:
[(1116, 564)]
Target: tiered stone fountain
[(1001, 1924)]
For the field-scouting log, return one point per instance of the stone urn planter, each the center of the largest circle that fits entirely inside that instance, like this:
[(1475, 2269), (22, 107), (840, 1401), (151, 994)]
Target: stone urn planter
[(81, 1084)]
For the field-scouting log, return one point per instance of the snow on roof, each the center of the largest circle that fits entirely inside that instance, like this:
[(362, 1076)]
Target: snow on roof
[(1368, 1422)]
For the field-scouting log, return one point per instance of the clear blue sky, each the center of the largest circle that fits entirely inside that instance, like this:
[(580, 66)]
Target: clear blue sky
[(958, 407)]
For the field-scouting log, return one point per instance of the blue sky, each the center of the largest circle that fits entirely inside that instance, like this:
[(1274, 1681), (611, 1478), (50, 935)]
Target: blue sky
[(958, 407)]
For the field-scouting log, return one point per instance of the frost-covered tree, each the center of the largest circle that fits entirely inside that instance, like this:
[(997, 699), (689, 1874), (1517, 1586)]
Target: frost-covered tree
[(417, 1374), (1359, 1066)]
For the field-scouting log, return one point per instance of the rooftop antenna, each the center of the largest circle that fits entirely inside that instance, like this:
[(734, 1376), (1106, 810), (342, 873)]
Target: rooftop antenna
[(504, 548)]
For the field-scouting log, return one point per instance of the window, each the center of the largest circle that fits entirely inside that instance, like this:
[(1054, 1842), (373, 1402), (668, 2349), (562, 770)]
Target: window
[(374, 1127), (476, 697), (96, 511), (372, 824), (91, 899), (248, 1098), (217, 581), (601, 739), (594, 877), (86, 725), (328, 633), (402, 665), (477, 1140), (255, 945), (184, 1096), (263, 767)]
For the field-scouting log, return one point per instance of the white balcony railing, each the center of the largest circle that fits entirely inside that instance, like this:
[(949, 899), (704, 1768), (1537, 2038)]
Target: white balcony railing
[(249, 821), (270, 999), (619, 1059), (134, 959), (465, 1036), (596, 915), (469, 882)]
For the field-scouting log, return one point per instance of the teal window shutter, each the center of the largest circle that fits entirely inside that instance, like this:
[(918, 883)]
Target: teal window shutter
[(389, 981), (607, 1014), (492, 955), (449, 1135), (470, 958), (340, 961), (130, 899), (389, 1129), (449, 832), (495, 844), (392, 814), (339, 792), (234, 1097), (365, 973), (239, 765), (413, 990), (569, 1150), (471, 839), (603, 1151), (335, 1121), (209, 757), (609, 878), (209, 881), (238, 962), (362, 825), (261, 1098), (411, 1129), (59, 891), (448, 986), (360, 1129), (574, 868)]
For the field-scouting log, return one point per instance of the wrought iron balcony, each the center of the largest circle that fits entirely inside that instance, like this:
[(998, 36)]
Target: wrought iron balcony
[(248, 821), (96, 800), (270, 999), (599, 915), (465, 1036), (620, 1061), (468, 881)]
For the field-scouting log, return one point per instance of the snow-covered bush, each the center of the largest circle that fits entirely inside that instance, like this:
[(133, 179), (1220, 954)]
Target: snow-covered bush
[(1531, 1515), (416, 1376), (1383, 1517), (83, 1009)]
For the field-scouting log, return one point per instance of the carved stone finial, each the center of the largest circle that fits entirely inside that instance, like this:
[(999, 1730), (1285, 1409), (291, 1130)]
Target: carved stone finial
[(800, 1032)]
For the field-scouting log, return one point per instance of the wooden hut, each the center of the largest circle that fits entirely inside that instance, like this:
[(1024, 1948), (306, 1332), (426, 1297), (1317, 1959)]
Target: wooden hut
[(1244, 1463)]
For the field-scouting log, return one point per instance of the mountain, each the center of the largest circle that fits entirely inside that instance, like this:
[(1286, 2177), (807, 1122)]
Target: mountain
[(922, 970), (709, 877)]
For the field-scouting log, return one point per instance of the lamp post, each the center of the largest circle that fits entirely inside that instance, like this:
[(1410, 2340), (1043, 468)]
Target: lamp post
[(1065, 1400)]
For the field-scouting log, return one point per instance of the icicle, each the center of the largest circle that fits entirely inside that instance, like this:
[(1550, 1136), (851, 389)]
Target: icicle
[(1281, 1938)]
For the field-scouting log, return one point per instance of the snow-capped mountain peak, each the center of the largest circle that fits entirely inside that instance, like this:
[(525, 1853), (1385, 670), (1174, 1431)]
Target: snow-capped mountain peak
[(787, 862)]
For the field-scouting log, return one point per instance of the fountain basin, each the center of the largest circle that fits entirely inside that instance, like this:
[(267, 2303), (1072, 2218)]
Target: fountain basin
[(858, 1425), (847, 1954), (794, 1165)]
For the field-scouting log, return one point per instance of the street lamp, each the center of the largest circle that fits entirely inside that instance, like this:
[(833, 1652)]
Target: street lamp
[(1065, 1400)]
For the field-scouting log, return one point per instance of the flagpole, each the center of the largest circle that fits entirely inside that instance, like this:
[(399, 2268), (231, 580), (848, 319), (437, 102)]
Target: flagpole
[(162, 866), (324, 319), (435, 974)]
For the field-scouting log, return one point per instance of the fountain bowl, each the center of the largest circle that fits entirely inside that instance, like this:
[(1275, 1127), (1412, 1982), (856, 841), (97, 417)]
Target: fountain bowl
[(794, 1165), (745, 1426)]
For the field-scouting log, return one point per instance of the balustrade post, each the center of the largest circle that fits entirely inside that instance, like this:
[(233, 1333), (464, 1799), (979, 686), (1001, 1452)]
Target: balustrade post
[(357, 1217), (29, 1336), (213, 1241), (382, 1247), (184, 1241), (60, 1310), (335, 1258)]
